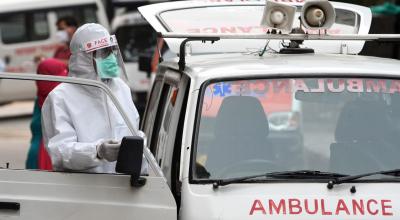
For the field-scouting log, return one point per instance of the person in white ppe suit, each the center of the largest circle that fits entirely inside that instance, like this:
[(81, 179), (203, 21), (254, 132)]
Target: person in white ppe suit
[(82, 128)]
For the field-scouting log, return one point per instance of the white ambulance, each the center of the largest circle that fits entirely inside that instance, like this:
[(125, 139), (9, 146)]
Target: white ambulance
[(213, 147), (213, 115)]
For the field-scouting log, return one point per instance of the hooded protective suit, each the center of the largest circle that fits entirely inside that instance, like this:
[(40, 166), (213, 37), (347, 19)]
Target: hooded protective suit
[(76, 119)]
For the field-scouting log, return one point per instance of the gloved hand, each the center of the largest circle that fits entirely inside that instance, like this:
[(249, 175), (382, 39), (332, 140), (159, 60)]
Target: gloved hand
[(108, 150)]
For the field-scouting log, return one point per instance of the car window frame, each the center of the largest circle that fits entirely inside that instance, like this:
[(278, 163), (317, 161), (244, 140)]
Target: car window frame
[(171, 146), (148, 126), (93, 83), (168, 83), (274, 76)]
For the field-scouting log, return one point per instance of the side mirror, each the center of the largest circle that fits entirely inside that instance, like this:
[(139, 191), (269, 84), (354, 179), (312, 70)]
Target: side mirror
[(130, 159), (145, 63)]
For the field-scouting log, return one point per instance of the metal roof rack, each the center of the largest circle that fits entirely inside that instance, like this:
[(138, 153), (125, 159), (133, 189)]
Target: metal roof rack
[(347, 37), (384, 38)]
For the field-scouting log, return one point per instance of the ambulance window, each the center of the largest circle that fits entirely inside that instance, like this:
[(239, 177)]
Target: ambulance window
[(84, 14), (159, 112), (24, 27), (161, 137), (13, 29), (151, 110), (40, 26), (346, 17), (135, 40)]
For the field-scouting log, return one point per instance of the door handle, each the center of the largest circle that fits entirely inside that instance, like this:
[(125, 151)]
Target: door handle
[(15, 206)]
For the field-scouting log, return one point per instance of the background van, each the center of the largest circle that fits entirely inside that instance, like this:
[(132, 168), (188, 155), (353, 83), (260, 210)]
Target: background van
[(27, 30), (135, 37)]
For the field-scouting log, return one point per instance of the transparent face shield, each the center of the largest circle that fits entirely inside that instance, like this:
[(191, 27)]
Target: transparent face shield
[(107, 58)]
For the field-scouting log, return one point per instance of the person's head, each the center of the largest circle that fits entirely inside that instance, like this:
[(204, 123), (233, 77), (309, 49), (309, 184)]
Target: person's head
[(95, 53), (38, 58), (66, 27), (51, 66)]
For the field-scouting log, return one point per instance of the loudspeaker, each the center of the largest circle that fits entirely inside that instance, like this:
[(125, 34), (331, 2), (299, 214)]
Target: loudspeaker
[(278, 16), (318, 14)]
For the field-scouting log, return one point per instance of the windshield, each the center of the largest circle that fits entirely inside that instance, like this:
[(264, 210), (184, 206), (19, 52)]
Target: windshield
[(135, 40), (249, 127)]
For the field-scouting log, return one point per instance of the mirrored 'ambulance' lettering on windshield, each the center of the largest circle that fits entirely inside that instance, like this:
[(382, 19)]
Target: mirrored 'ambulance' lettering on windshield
[(342, 125)]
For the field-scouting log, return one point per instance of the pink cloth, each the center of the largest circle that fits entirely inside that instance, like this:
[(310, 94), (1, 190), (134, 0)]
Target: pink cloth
[(53, 67)]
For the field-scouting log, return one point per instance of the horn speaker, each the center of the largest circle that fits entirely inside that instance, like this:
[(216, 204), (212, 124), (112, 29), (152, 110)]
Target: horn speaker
[(318, 14), (278, 16)]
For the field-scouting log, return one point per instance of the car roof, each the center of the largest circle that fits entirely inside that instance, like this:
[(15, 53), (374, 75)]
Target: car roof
[(238, 65), (23, 5)]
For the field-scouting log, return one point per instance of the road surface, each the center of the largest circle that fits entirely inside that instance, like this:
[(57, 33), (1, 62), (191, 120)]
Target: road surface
[(15, 134)]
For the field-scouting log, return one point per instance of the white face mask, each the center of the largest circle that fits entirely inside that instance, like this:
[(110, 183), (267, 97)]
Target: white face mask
[(62, 36)]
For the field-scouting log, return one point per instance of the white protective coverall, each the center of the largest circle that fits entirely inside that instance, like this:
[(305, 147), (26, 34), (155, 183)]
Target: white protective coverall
[(75, 118)]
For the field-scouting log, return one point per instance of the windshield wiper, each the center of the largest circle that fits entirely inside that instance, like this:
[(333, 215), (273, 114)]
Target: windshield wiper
[(300, 174), (345, 179)]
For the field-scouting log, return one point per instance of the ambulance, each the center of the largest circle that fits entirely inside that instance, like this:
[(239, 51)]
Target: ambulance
[(252, 75), (218, 117)]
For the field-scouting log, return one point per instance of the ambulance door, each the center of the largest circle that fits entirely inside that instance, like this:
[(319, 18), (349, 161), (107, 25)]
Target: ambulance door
[(36, 194), (168, 141)]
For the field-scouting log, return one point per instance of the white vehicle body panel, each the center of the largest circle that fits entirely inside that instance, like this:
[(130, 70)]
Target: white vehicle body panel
[(249, 201), (49, 195), (152, 14), (206, 67)]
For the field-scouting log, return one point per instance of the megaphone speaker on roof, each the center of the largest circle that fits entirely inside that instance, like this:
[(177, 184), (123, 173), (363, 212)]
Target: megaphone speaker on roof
[(278, 16), (318, 14)]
